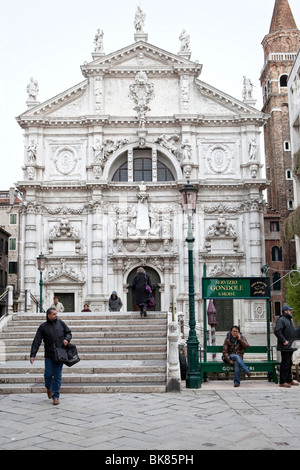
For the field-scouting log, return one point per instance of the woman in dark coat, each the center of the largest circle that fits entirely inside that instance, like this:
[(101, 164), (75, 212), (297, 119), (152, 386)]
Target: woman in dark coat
[(138, 286)]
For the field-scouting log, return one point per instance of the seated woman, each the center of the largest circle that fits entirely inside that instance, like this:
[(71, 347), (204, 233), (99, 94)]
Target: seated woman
[(233, 352)]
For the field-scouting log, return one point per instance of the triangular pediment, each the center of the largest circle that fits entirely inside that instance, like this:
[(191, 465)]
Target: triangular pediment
[(64, 278), (213, 102), (73, 102), (140, 55)]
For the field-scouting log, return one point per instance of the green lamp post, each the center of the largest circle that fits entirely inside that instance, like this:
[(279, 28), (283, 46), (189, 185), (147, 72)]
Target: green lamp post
[(41, 264), (189, 201)]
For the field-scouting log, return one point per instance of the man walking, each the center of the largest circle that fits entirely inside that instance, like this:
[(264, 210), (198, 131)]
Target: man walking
[(53, 332), (285, 332)]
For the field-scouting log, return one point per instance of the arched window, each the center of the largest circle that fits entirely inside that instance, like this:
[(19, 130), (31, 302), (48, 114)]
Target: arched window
[(276, 253), (283, 81), (276, 281), (142, 168)]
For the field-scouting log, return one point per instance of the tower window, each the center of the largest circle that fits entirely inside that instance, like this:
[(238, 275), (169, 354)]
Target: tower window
[(276, 253), (287, 146), (283, 81)]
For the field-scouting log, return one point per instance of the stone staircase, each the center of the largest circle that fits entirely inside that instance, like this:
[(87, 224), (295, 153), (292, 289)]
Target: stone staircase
[(119, 352)]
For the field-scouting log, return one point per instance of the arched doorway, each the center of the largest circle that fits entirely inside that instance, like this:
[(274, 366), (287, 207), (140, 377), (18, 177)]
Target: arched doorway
[(155, 281)]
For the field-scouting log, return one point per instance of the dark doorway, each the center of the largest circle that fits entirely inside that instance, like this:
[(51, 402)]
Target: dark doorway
[(224, 309), (67, 300), (155, 281)]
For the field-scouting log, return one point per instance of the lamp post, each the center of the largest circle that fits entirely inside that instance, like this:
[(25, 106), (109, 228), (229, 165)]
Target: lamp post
[(189, 200), (41, 263)]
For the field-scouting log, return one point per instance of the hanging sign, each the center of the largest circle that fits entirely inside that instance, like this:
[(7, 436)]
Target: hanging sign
[(235, 288)]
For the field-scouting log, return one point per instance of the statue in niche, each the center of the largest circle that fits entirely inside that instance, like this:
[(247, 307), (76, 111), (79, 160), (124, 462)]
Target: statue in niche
[(252, 149), (31, 152), (185, 42), (32, 89), (142, 220), (98, 152), (139, 20), (186, 150)]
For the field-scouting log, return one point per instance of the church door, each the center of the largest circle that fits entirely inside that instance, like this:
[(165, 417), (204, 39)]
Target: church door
[(155, 280)]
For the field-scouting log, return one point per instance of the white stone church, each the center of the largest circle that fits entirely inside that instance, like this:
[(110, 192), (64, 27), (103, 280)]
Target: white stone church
[(103, 165)]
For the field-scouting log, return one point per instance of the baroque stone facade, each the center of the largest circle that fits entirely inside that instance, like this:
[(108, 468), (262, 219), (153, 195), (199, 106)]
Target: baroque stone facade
[(101, 183)]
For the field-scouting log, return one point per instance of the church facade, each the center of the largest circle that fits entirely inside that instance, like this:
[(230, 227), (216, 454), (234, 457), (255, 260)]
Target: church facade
[(103, 165)]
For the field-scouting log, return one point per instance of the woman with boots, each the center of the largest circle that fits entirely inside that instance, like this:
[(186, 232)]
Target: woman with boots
[(138, 286)]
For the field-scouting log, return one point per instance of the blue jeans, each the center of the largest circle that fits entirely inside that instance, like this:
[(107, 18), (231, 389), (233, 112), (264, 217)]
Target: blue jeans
[(52, 375), (238, 365)]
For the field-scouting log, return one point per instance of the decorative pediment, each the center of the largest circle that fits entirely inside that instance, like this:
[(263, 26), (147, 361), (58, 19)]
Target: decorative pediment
[(68, 103), (211, 101), (142, 55), (63, 274)]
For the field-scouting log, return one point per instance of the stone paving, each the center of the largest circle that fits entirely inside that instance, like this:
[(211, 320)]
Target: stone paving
[(258, 415)]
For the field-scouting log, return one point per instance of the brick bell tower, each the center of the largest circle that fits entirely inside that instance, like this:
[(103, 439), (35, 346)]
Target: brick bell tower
[(280, 46)]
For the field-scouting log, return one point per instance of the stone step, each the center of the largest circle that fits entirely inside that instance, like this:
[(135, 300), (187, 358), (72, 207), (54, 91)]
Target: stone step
[(7, 389), (92, 356), (88, 341), (120, 353), (98, 348)]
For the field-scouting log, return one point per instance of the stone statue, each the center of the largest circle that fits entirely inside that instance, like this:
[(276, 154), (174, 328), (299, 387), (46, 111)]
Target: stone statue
[(99, 41), (252, 149), (185, 42), (139, 20), (32, 89), (247, 89)]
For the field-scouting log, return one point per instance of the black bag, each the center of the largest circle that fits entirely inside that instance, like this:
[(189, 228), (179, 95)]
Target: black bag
[(72, 353), (61, 355)]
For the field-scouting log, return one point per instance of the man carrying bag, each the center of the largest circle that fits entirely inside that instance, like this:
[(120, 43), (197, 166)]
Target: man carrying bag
[(56, 335)]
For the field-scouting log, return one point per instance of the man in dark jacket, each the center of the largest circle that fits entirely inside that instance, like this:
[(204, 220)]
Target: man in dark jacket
[(115, 303), (53, 332), (285, 332), (233, 352)]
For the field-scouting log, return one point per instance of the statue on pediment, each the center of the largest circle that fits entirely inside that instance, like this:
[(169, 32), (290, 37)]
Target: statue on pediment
[(139, 20), (99, 41), (185, 42), (32, 89)]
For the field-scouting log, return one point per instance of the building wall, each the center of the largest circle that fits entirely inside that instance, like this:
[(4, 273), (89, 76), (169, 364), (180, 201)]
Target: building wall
[(94, 231)]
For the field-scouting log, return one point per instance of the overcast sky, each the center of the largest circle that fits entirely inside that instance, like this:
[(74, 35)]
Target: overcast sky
[(50, 40)]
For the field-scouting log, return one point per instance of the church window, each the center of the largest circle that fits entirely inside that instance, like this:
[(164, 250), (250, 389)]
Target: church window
[(122, 173), (287, 145), (288, 174), (142, 168), (290, 204)]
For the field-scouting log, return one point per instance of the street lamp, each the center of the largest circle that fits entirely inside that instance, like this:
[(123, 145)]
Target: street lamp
[(41, 263), (189, 200)]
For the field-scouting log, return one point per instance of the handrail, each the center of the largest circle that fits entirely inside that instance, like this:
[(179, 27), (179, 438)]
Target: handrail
[(36, 303), (3, 296)]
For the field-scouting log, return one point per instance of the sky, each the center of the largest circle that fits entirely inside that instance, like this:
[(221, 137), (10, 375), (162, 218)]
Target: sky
[(49, 41)]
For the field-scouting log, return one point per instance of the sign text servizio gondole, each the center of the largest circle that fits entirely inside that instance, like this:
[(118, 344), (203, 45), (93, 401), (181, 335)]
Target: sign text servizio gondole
[(235, 288)]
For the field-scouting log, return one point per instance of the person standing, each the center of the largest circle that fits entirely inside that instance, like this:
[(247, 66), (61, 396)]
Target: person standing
[(138, 286), (57, 305), (114, 303), (285, 333), (233, 352), (53, 332)]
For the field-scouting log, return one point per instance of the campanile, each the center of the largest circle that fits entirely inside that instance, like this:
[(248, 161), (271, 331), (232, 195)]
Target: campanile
[(280, 47)]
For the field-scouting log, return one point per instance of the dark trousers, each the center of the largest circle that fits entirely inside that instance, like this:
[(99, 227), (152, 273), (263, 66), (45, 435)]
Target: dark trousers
[(286, 367)]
